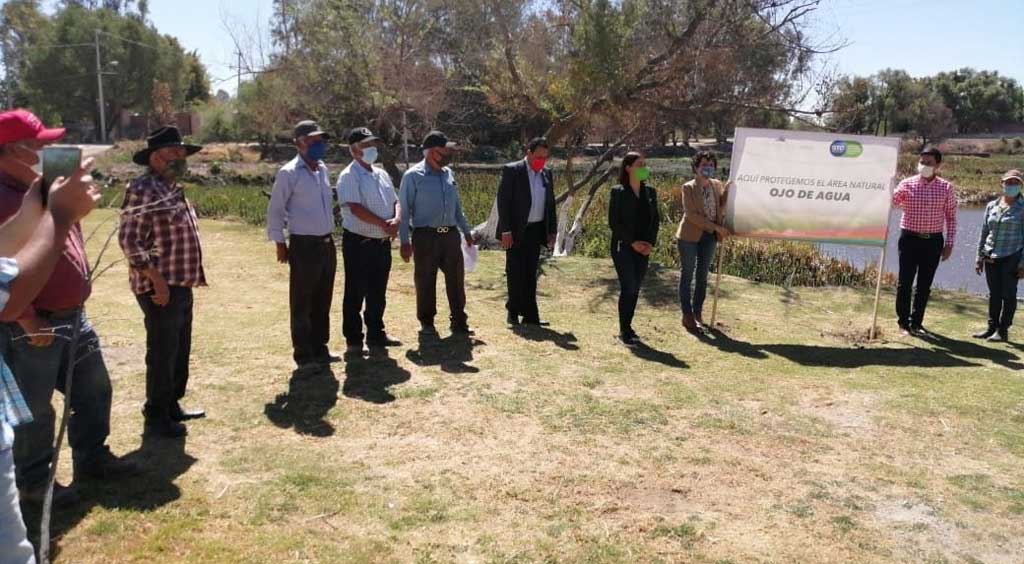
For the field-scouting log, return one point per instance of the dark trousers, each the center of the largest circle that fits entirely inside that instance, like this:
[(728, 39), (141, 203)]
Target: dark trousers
[(919, 258), (312, 262), (367, 269), (168, 348), (521, 262), (41, 370), (433, 251), (694, 264), (631, 267), (1001, 275)]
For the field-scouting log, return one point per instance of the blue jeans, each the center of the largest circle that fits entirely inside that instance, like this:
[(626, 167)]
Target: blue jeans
[(14, 545), (695, 258), (41, 370)]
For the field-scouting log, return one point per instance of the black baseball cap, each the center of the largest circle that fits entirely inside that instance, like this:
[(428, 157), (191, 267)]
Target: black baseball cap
[(933, 151), (309, 127), (436, 139), (360, 134)]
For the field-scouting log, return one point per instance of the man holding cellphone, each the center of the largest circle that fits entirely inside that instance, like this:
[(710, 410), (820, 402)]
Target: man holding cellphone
[(36, 342)]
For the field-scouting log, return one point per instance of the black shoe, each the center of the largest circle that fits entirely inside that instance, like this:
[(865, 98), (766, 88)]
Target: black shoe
[(1000, 336), (354, 350), (180, 414), (384, 341), (328, 359), (462, 329), (629, 339), (164, 428), (512, 319), (63, 496), (537, 322), (986, 333), (919, 331), (428, 331), (104, 465)]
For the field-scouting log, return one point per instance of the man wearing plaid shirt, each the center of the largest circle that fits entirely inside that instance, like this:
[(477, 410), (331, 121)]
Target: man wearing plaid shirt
[(928, 231), (370, 215), (160, 239)]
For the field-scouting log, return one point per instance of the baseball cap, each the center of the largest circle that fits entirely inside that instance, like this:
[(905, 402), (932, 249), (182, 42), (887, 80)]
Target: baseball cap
[(309, 127), (436, 139), (22, 125), (1014, 173), (360, 134)]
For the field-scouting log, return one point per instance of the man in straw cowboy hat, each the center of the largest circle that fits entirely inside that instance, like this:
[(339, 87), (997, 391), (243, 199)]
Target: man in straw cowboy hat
[(160, 239)]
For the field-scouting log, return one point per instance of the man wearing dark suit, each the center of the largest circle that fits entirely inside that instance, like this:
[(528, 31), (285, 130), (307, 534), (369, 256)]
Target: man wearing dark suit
[(526, 220)]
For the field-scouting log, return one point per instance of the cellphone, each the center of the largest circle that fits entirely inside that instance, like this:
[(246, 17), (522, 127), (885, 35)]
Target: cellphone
[(58, 162)]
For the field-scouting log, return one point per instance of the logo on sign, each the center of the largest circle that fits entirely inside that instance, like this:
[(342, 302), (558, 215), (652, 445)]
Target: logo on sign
[(848, 149)]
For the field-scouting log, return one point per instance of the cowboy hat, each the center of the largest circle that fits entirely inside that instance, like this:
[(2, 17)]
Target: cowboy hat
[(168, 136)]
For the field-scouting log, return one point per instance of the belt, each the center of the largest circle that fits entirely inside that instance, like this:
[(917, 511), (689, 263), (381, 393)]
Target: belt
[(329, 238), (922, 235), (443, 229), (58, 314), (365, 239)]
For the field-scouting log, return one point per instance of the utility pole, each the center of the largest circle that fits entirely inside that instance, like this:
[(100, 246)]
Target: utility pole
[(239, 71), (405, 139), (99, 85)]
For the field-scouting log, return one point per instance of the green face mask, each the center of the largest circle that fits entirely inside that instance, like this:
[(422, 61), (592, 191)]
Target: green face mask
[(642, 173), (178, 168)]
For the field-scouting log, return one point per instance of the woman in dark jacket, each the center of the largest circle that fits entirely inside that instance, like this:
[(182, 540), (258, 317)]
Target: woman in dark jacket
[(633, 217)]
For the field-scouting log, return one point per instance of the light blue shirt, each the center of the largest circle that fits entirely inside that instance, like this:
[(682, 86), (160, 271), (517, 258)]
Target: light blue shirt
[(371, 189), (13, 410), (430, 198), (537, 194), (301, 201)]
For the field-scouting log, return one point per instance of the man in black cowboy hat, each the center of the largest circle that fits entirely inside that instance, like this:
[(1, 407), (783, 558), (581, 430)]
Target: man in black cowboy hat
[(160, 238)]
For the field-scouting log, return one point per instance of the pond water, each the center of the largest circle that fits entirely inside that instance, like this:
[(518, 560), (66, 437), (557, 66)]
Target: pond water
[(955, 274)]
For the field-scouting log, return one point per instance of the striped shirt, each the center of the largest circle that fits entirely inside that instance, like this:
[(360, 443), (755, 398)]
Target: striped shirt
[(371, 189), (928, 206), (301, 201), (159, 228), (13, 410), (1002, 233)]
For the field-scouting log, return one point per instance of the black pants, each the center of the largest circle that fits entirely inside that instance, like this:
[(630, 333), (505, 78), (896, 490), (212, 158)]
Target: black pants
[(367, 269), (433, 251), (631, 267), (313, 262), (1001, 275), (521, 262), (168, 347), (919, 258)]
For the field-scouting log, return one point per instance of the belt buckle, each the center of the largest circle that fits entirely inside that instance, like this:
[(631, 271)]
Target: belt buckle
[(442, 229)]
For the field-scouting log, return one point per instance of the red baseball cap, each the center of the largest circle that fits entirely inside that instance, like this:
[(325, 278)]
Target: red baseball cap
[(21, 125)]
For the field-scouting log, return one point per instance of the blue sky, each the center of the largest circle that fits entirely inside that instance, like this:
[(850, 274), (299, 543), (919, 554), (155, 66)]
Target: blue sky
[(922, 37)]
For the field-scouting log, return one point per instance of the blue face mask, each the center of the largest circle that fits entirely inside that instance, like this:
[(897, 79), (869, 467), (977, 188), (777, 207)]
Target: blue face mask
[(707, 171), (1011, 190), (317, 151), (370, 155)]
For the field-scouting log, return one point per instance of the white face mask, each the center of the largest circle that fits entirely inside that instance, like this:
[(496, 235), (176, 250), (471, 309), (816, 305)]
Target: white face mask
[(370, 155), (925, 171)]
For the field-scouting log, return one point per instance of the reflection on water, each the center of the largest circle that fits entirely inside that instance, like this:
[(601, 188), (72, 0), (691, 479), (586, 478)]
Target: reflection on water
[(955, 274)]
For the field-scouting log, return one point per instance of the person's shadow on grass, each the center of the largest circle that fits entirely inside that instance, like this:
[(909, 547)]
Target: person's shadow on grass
[(536, 333), (452, 354), (312, 393), (369, 379), (976, 350), (646, 352), (163, 461)]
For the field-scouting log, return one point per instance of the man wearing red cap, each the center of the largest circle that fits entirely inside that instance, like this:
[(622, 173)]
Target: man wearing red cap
[(36, 344)]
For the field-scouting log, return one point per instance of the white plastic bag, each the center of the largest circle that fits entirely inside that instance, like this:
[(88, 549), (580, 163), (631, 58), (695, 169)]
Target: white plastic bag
[(469, 256)]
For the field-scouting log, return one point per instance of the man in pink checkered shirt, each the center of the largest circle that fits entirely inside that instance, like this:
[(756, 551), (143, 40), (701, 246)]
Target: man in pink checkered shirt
[(927, 234)]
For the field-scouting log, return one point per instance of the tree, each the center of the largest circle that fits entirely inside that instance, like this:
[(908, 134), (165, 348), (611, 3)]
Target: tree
[(979, 100), (22, 24), (61, 76), (198, 80)]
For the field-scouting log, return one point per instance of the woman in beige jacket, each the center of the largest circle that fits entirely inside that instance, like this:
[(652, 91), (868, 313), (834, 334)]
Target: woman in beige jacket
[(699, 233)]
